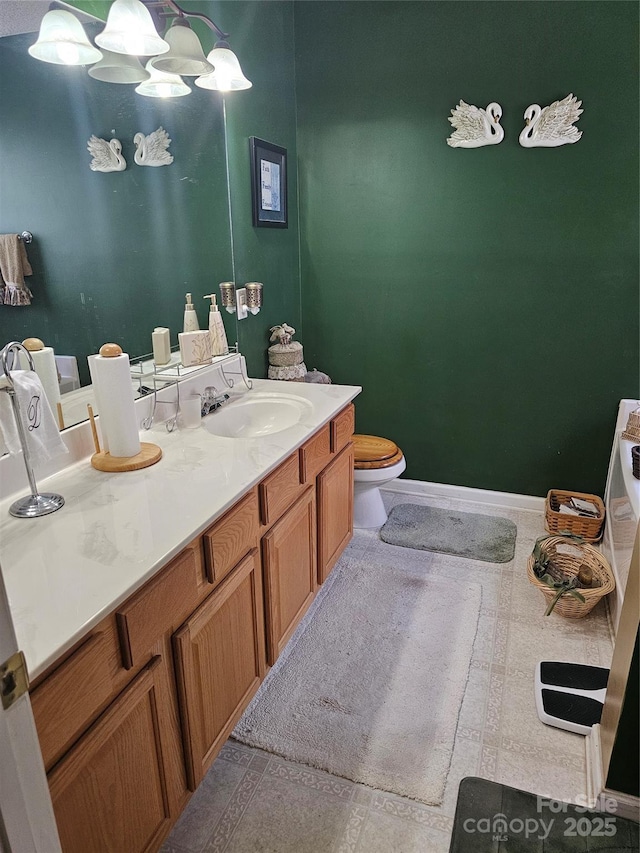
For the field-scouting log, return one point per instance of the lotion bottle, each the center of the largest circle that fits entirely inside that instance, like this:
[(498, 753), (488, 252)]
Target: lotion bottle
[(190, 316), (219, 345)]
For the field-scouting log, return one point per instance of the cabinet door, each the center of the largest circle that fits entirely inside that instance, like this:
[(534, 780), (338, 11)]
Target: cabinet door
[(219, 654), (335, 511), (290, 576), (109, 792)]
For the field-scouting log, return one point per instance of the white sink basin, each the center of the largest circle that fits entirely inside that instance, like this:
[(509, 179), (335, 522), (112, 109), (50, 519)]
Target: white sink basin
[(258, 413)]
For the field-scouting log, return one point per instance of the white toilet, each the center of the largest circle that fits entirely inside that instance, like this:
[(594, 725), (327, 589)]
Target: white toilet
[(377, 461)]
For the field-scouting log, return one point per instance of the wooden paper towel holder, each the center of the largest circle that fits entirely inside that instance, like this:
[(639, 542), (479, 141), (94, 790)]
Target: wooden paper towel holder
[(102, 460), (149, 455)]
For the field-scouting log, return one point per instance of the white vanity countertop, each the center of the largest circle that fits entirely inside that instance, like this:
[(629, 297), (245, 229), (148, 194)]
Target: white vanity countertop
[(64, 572)]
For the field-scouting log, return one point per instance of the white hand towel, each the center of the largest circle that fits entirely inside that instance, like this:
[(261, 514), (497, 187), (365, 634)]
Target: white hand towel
[(40, 428)]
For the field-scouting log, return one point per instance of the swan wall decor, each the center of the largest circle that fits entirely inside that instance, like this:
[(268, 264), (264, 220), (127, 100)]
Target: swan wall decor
[(107, 156), (475, 127), (152, 150), (548, 127)]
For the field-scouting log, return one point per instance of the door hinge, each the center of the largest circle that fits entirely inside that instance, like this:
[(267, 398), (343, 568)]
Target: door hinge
[(14, 680)]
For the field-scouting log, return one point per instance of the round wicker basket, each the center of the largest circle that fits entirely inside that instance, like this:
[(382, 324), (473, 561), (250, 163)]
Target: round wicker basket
[(567, 556)]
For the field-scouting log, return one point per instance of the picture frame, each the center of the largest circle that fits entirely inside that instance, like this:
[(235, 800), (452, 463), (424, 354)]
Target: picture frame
[(268, 184)]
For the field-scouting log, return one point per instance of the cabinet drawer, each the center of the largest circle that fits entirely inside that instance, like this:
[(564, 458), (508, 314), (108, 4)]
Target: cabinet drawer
[(315, 455), (342, 427), (227, 542), (74, 694), (279, 490), (162, 605)]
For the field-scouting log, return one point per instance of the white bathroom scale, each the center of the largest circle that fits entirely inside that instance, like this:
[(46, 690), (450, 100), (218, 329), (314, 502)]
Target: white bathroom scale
[(570, 695)]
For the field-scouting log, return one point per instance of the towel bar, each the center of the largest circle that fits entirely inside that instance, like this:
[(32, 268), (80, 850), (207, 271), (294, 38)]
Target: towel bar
[(26, 237)]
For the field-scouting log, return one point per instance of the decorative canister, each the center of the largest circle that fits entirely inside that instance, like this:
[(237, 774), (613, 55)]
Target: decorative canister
[(285, 357)]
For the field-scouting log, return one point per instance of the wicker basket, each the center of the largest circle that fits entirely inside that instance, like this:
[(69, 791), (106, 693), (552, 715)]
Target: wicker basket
[(556, 522), (568, 560)]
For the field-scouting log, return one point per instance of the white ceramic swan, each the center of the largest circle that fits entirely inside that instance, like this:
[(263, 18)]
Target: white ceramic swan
[(548, 127), (475, 127), (152, 150), (107, 156)]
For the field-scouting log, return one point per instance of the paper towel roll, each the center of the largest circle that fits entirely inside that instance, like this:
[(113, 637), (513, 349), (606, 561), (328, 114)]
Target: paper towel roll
[(44, 364), (98, 402), (112, 383)]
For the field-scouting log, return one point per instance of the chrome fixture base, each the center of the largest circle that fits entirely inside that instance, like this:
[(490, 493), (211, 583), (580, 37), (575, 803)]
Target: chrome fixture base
[(33, 506)]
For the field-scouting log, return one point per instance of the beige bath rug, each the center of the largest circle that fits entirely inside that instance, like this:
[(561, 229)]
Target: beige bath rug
[(373, 687)]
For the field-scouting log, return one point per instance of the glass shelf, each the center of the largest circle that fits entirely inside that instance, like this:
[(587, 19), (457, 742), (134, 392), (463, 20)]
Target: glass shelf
[(144, 367), (153, 378)]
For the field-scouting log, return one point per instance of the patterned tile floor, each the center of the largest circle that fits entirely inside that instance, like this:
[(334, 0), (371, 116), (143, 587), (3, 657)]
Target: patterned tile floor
[(254, 801)]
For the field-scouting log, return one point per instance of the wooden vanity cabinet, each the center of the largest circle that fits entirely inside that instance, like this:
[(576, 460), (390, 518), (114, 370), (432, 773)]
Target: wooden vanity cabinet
[(131, 719), (110, 792), (220, 662), (290, 571), (335, 510)]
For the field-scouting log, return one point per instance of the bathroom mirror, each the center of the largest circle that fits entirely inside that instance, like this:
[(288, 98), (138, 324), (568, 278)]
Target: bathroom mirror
[(113, 254)]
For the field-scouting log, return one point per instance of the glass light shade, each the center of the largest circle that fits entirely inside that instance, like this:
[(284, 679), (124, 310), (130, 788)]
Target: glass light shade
[(63, 41), (130, 30), (118, 68), (160, 85), (185, 55), (227, 75)]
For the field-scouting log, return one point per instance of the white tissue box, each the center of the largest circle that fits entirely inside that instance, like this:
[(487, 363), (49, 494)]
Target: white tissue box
[(195, 347)]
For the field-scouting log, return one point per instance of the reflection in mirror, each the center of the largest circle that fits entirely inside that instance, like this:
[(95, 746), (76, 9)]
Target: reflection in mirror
[(113, 253)]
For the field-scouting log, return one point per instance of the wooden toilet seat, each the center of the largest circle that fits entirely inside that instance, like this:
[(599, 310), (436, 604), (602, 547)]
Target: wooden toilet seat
[(371, 451)]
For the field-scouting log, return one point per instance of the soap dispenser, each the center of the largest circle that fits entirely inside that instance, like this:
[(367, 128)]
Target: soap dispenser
[(190, 316), (219, 345)]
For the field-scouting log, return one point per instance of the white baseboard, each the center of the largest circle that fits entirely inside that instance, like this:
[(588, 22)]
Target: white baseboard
[(466, 493)]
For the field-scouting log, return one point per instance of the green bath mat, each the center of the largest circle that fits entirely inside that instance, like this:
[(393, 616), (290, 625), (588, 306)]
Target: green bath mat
[(489, 538)]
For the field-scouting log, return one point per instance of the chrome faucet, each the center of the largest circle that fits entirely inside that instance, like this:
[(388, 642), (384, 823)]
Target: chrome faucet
[(211, 400)]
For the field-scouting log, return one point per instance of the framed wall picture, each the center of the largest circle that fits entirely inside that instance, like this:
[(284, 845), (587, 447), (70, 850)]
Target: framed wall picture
[(268, 184)]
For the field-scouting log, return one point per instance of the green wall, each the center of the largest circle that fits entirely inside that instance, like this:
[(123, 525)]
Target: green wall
[(113, 254), (262, 36), (487, 300)]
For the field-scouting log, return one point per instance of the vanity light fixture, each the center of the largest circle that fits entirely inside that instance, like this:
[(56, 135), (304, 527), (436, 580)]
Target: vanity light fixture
[(161, 85), (130, 32), (118, 68), (227, 76), (63, 41), (186, 56)]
